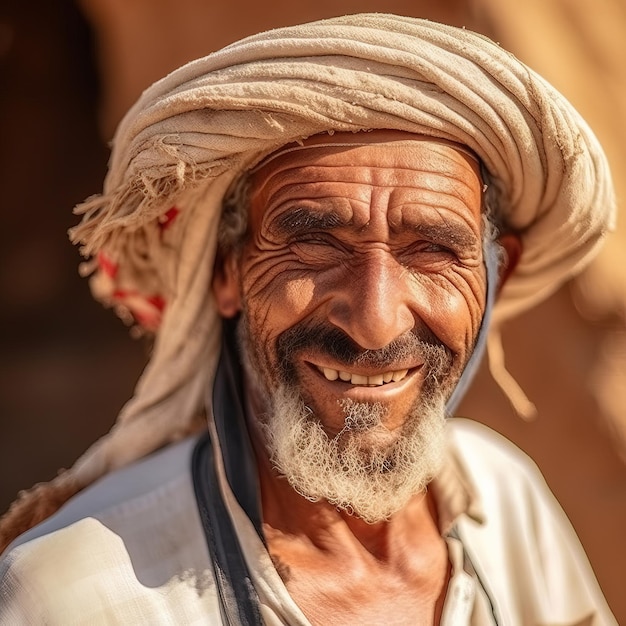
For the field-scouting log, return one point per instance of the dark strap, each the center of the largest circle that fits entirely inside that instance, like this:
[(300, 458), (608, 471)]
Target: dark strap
[(232, 431), (239, 603)]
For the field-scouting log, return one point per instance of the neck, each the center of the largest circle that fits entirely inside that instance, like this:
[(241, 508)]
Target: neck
[(338, 568)]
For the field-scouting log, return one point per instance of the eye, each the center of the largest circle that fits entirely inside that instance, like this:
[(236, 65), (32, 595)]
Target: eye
[(319, 250), (434, 248), (427, 255)]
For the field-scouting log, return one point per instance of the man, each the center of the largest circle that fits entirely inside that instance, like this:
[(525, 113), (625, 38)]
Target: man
[(348, 197)]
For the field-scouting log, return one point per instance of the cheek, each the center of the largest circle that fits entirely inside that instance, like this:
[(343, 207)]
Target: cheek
[(277, 294), (298, 295), (452, 307)]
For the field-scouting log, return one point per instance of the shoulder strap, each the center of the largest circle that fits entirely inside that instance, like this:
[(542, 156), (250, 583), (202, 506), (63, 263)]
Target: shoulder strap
[(239, 602)]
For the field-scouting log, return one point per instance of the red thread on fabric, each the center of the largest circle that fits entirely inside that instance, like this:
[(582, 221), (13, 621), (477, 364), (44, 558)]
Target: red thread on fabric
[(107, 265), (157, 301), (120, 294), (165, 220)]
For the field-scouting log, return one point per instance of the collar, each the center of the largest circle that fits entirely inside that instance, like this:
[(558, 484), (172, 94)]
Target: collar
[(455, 493)]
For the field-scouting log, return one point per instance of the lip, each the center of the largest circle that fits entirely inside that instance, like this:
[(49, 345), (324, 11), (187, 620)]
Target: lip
[(325, 397)]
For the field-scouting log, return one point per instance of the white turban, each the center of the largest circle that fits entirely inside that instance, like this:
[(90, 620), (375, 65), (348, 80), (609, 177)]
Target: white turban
[(152, 233)]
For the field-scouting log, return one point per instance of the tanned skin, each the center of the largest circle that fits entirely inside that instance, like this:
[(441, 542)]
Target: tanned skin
[(393, 240)]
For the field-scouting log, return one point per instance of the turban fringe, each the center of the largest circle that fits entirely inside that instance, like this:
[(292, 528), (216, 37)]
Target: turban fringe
[(151, 235)]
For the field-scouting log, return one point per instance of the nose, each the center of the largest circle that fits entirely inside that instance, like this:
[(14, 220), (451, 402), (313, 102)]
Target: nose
[(372, 302)]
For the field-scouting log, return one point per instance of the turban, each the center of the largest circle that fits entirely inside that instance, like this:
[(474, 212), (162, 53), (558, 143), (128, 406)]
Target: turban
[(150, 237)]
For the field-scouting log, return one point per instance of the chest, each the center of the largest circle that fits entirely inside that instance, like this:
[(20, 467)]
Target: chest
[(353, 591)]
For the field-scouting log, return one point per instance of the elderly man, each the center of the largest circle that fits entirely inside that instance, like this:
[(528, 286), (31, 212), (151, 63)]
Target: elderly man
[(316, 223)]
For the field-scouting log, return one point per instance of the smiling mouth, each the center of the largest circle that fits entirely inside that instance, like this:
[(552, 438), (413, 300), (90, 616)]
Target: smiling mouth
[(375, 380)]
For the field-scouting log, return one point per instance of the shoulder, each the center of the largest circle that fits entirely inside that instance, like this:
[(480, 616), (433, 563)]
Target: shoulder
[(127, 493), (134, 536), (510, 487), (517, 505), (482, 445), (525, 550)]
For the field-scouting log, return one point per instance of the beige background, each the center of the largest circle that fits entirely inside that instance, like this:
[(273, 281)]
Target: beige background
[(68, 72)]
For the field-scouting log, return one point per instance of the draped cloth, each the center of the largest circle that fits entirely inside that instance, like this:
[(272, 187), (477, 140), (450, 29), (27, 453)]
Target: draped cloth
[(150, 237)]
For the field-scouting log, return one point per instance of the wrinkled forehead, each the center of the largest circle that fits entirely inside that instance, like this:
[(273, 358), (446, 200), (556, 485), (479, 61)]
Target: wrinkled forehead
[(366, 180), (325, 144), (410, 160)]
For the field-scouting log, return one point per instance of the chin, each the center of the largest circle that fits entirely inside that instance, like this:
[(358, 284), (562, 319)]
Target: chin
[(364, 469)]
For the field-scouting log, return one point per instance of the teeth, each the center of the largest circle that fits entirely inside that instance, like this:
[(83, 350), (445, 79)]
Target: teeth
[(357, 379), (331, 374), (375, 380), (399, 375)]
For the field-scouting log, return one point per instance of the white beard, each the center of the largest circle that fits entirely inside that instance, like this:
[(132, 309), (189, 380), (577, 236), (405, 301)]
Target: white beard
[(348, 471)]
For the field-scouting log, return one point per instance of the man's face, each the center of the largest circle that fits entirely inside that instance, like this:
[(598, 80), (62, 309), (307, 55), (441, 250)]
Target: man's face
[(362, 286)]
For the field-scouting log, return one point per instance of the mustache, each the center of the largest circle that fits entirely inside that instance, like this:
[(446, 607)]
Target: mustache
[(339, 346)]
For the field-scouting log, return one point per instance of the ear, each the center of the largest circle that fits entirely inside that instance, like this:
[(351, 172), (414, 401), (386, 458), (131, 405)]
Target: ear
[(225, 286), (512, 246)]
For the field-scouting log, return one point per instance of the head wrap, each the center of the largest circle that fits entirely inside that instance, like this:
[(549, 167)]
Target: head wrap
[(152, 233)]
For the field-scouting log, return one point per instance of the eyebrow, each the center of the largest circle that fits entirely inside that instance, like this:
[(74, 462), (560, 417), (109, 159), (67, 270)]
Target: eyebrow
[(449, 234), (303, 219)]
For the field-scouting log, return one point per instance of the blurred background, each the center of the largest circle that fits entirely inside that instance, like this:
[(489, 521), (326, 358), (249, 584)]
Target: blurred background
[(70, 69)]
